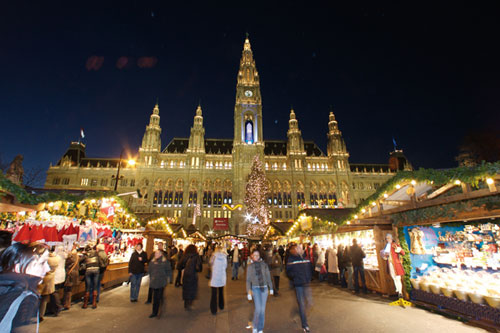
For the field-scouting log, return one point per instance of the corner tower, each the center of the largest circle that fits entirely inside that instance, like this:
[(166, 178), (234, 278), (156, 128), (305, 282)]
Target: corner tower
[(337, 151), (151, 142)]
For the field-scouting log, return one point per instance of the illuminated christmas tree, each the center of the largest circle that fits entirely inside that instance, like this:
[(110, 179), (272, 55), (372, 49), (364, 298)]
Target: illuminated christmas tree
[(257, 190)]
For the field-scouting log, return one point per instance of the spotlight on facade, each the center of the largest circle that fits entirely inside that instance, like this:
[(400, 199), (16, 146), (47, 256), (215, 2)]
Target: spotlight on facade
[(131, 162)]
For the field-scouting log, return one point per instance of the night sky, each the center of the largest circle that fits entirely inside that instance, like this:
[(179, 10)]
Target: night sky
[(425, 74)]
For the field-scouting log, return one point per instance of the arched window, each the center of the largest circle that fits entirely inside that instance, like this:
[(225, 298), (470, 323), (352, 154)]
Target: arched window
[(249, 132)]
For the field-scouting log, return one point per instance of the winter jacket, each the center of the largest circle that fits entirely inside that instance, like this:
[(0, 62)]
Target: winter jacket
[(357, 255), (71, 273), (47, 287), (320, 262), (60, 274), (137, 262), (11, 287), (276, 265), (253, 278), (346, 257), (91, 261), (298, 270), (191, 264), (218, 263), (160, 271), (333, 266)]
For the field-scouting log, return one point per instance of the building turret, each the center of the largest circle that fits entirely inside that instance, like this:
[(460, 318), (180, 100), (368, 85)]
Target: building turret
[(398, 161), (151, 142), (197, 137), (295, 144), (337, 151)]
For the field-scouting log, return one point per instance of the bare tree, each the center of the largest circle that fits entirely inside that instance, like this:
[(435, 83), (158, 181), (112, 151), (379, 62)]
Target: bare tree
[(34, 177), (479, 145), (3, 164)]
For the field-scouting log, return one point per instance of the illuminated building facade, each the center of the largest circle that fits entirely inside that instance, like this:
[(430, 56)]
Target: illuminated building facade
[(212, 172)]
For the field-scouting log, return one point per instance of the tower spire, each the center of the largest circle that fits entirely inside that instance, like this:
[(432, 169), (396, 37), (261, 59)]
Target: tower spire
[(197, 137), (337, 150), (295, 144), (248, 108)]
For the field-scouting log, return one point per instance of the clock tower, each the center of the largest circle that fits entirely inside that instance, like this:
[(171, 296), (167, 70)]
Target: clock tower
[(248, 135), (248, 107)]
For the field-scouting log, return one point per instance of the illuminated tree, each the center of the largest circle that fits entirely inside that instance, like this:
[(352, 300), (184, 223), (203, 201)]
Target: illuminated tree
[(256, 193)]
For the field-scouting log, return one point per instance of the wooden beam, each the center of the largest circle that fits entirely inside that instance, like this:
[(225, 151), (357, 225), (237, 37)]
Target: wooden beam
[(396, 202), (440, 191), (441, 201)]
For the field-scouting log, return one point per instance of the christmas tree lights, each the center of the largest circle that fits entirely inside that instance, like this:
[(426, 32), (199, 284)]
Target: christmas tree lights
[(256, 193)]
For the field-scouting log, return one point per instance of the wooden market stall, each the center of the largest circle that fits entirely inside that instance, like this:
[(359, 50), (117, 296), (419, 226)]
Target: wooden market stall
[(448, 224), (324, 226)]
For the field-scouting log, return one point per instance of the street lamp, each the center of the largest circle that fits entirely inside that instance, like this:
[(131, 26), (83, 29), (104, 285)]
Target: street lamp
[(130, 162)]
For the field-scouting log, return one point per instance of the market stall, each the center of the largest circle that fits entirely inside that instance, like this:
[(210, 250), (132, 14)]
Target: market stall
[(447, 225), (370, 236), (67, 221)]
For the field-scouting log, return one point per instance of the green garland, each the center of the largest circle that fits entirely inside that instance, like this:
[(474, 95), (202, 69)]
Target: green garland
[(467, 175), (406, 259), (445, 211), (71, 209), (19, 192)]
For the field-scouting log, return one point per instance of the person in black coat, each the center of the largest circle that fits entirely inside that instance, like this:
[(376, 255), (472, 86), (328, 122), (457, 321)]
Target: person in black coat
[(180, 256), (298, 270), (357, 256), (342, 268), (191, 264), (138, 260)]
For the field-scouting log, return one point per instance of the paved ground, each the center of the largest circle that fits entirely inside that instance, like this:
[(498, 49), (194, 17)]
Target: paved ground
[(334, 310)]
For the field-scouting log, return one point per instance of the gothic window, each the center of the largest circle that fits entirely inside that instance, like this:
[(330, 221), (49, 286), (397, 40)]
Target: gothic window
[(132, 182), (65, 181), (155, 199), (84, 182), (249, 132)]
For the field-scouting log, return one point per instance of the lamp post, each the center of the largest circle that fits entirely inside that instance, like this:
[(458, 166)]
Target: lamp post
[(130, 162)]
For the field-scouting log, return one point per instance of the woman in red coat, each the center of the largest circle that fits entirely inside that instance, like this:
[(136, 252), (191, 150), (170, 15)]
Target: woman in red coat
[(391, 253)]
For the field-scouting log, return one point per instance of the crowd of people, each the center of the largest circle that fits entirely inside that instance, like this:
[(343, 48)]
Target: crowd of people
[(36, 280)]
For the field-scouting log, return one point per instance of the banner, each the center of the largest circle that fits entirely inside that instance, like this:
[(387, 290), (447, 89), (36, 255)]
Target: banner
[(221, 223)]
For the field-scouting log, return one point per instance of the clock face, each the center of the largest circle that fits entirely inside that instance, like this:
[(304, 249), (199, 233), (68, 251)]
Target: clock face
[(248, 93)]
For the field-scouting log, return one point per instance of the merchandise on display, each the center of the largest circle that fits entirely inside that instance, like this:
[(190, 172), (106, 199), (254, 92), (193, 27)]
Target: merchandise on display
[(457, 261), (366, 240)]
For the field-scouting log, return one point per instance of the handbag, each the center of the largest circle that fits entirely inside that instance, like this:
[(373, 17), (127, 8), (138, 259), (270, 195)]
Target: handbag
[(323, 269)]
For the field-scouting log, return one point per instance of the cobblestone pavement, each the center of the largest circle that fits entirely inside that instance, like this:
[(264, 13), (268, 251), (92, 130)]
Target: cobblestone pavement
[(334, 310)]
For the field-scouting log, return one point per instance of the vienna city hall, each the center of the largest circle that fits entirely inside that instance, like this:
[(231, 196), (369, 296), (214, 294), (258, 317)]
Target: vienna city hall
[(204, 173)]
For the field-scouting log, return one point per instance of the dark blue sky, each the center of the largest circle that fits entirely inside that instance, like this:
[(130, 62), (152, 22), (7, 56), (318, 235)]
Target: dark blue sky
[(423, 73)]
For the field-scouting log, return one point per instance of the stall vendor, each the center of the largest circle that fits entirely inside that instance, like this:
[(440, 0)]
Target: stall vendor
[(391, 253)]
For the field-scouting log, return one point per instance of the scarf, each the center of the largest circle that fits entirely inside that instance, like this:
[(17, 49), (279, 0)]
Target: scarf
[(260, 276)]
